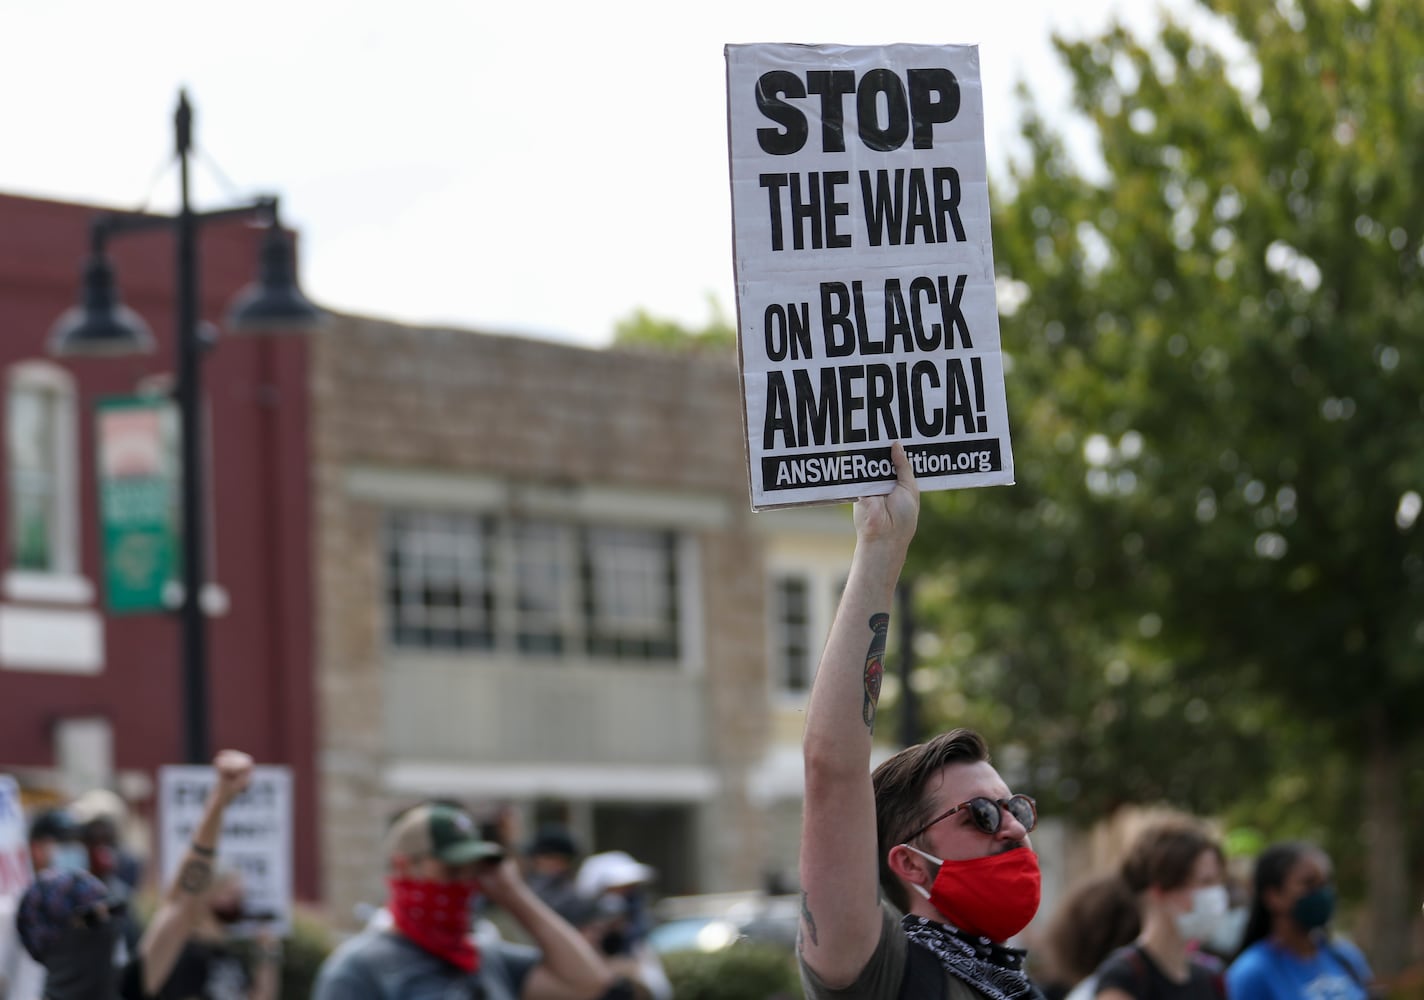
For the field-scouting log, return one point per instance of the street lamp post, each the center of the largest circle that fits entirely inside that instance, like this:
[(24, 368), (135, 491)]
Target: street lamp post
[(101, 325)]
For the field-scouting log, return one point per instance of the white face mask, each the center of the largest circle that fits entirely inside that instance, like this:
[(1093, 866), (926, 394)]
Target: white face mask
[(1209, 905), (69, 857), (1225, 939)]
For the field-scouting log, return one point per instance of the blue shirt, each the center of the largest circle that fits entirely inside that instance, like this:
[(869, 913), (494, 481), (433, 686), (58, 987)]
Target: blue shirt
[(1266, 971), (386, 965)]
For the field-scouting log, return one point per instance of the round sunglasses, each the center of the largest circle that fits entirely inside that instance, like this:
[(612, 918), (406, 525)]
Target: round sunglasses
[(988, 814)]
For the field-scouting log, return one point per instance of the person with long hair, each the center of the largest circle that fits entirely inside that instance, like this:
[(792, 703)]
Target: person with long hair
[(1177, 870), (1096, 917), (1287, 952)]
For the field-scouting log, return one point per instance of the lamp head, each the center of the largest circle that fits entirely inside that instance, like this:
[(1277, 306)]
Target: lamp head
[(100, 325), (274, 302)]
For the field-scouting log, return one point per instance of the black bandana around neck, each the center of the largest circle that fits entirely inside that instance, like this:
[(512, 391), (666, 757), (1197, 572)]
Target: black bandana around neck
[(993, 969)]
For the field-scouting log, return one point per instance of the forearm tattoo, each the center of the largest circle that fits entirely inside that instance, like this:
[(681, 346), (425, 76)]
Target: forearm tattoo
[(196, 876), (874, 667), (808, 922)]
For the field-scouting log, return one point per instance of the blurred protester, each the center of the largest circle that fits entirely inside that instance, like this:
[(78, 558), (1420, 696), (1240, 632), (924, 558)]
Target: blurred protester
[(483, 930), (437, 861), (68, 920), (1287, 951), (101, 816), (551, 859), (54, 842), (1176, 870), (1094, 919), (616, 888), (1225, 940), (211, 965), (618, 874)]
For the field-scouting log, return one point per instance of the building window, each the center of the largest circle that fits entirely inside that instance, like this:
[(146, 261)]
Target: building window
[(544, 577), (40, 462), (630, 592), (84, 751), (441, 581), (791, 632), (536, 586)]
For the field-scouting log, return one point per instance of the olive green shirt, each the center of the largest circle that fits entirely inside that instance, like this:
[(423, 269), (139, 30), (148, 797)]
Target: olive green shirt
[(882, 976)]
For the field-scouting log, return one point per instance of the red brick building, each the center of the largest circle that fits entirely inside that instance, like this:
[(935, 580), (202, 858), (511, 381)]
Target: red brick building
[(90, 698)]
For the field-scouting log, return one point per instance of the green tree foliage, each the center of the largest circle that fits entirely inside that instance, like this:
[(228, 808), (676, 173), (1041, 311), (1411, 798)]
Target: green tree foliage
[(744, 971), (1208, 584), (643, 330), (305, 949)]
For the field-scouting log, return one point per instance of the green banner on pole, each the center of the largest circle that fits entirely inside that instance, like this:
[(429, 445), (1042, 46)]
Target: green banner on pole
[(138, 501)]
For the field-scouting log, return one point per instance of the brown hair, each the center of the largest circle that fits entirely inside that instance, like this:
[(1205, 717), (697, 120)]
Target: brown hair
[(900, 805), (1095, 918), (1163, 855)]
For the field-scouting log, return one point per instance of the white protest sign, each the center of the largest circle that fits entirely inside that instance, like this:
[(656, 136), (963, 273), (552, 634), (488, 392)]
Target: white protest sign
[(256, 836), (20, 976), (15, 873), (864, 268)]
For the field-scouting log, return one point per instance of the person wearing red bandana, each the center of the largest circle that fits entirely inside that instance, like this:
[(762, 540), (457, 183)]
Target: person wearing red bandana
[(947, 838), (438, 865)]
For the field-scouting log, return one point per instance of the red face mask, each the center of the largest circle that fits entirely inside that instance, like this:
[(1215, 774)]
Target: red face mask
[(993, 897), (436, 916)]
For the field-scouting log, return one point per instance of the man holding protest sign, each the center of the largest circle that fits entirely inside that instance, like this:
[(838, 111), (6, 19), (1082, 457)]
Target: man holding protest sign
[(869, 343), (936, 822)]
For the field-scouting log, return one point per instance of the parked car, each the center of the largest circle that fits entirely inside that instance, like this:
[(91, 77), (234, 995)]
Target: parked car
[(715, 921)]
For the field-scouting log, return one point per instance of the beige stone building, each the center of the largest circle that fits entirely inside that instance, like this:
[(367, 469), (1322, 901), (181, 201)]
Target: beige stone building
[(540, 588)]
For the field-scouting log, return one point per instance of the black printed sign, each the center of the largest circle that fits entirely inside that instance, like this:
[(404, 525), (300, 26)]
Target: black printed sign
[(865, 272), (256, 840)]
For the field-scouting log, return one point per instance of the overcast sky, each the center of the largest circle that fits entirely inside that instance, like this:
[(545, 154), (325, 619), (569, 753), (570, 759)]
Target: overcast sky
[(541, 169)]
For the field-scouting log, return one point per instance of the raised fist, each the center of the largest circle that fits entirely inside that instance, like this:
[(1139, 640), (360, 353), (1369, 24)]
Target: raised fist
[(234, 773)]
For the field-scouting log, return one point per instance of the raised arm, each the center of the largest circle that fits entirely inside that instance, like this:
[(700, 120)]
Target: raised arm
[(183, 898), (570, 969), (840, 901)]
